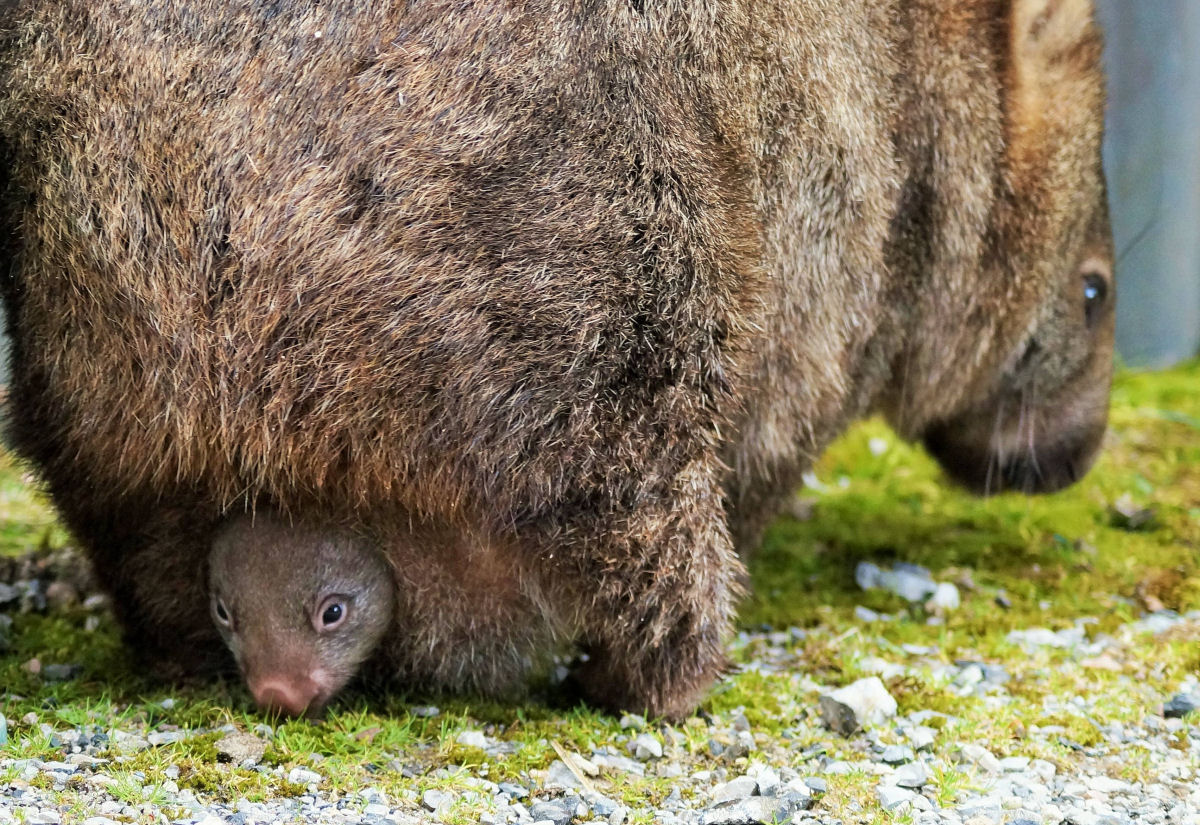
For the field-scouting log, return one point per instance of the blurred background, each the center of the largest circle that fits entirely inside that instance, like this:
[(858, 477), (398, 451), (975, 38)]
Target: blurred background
[(1152, 155)]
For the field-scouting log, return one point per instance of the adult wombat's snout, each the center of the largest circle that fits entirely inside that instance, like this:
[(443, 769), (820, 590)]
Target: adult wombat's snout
[(992, 462)]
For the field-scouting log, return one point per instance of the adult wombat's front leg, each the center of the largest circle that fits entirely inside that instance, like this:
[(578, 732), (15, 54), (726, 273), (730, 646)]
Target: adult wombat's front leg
[(667, 583)]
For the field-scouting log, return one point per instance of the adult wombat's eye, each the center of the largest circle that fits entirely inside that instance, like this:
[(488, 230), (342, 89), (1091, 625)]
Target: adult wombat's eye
[(331, 613), (222, 613), (1095, 293)]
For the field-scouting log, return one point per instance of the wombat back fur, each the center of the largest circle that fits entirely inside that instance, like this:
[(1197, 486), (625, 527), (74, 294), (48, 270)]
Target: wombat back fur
[(593, 282)]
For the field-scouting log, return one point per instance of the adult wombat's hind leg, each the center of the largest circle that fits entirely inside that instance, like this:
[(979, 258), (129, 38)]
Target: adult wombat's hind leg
[(667, 583), (151, 557)]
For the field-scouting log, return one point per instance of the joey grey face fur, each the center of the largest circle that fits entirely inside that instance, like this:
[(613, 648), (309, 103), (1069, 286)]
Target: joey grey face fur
[(300, 609), (560, 295)]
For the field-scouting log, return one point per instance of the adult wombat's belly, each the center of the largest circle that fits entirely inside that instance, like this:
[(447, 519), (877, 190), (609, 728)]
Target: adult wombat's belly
[(369, 256)]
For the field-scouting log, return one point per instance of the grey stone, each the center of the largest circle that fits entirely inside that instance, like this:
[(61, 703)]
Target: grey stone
[(61, 673), (433, 799), (739, 788), (982, 806), (767, 778), (896, 755), (127, 742), (992, 674), (632, 720), (908, 584), (995, 674), (981, 757), (303, 776), (912, 775), (242, 748), (605, 759), (1043, 770), (755, 809), (1107, 785), (472, 739), (970, 675), (558, 775), (891, 798), (816, 784), (1043, 637), (514, 791), (945, 597), (646, 746), (1014, 764), (867, 575), (601, 805), (796, 787), (865, 702), (670, 770), (921, 737), (1181, 704), (865, 614), (674, 800), (553, 811), (166, 737)]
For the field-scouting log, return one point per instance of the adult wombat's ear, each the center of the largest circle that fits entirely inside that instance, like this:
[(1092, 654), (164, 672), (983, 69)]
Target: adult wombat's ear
[(1052, 74), (1047, 37), (1044, 31)]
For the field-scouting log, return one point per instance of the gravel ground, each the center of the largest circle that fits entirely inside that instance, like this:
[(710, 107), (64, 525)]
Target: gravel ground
[(906, 762)]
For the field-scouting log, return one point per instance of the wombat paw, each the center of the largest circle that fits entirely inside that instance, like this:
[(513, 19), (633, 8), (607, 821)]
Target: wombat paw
[(673, 698)]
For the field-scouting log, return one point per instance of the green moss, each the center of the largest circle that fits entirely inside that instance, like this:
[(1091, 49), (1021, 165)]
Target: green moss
[(1055, 559)]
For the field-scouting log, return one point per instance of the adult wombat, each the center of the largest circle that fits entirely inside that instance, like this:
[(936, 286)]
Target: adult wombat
[(583, 285)]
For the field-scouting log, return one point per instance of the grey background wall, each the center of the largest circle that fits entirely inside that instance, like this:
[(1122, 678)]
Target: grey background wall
[(1152, 154)]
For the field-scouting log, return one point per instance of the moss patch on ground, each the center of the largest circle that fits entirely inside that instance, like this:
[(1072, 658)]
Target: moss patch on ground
[(1019, 563)]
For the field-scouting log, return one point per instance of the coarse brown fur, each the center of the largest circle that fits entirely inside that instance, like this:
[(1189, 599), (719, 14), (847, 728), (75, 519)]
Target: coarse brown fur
[(587, 285)]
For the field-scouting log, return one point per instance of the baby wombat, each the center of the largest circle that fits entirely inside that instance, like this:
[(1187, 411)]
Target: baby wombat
[(301, 609), (586, 286), (303, 606)]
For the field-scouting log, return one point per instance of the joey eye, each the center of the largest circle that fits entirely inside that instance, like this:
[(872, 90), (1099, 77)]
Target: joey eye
[(332, 613), (1095, 294)]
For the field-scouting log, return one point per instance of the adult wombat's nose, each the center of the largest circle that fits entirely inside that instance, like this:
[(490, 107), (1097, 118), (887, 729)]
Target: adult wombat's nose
[(279, 694)]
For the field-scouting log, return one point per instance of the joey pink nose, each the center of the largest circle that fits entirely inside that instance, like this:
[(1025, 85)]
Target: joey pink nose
[(282, 695)]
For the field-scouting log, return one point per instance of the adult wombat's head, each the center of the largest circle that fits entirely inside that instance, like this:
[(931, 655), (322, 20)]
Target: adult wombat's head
[(1013, 349)]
